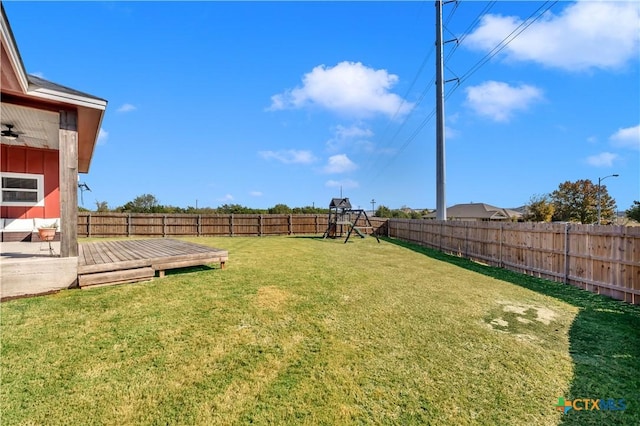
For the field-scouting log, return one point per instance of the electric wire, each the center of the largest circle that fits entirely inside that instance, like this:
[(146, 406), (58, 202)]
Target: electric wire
[(496, 50), (507, 40)]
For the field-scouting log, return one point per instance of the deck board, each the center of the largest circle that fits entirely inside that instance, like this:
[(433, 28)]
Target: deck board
[(107, 262)]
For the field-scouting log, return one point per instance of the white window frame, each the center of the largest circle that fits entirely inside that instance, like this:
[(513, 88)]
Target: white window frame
[(39, 190)]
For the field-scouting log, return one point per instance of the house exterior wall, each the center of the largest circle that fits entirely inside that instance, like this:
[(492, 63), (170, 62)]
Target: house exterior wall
[(16, 159)]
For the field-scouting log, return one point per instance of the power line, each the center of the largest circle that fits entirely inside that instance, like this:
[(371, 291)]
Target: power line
[(496, 50), (507, 40), (471, 26)]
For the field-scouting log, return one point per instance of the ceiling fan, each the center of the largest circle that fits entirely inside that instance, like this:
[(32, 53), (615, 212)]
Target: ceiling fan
[(9, 133)]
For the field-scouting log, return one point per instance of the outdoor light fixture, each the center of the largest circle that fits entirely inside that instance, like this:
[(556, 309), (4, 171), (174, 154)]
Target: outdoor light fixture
[(599, 181)]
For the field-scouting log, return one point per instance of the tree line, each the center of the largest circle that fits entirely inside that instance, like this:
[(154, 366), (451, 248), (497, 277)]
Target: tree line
[(148, 203), (580, 201), (571, 202)]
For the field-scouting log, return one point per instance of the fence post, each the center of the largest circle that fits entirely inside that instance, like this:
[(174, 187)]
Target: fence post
[(231, 225), (164, 226), (500, 264), (129, 225), (89, 225), (316, 223), (199, 225), (567, 227), (466, 240), (260, 225)]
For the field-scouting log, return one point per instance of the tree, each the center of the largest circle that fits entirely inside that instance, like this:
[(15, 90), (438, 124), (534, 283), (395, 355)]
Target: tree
[(145, 203), (383, 211), (539, 209), (102, 206), (578, 202), (280, 209), (634, 211), (234, 209)]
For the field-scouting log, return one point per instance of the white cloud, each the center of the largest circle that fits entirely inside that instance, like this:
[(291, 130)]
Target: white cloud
[(626, 138), (255, 193), (290, 156), (498, 100), (583, 35), (38, 74), (349, 88), (227, 197), (127, 108), (103, 135), (604, 159), (339, 164), (451, 132), (353, 136), (345, 184)]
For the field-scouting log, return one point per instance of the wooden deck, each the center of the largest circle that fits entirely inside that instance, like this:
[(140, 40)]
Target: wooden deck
[(115, 262)]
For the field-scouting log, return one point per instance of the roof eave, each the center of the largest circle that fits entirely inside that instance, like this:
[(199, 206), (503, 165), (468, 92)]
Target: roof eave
[(67, 98), (13, 52)]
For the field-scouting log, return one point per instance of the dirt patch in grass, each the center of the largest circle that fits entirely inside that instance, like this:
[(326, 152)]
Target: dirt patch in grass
[(524, 321), (272, 297)]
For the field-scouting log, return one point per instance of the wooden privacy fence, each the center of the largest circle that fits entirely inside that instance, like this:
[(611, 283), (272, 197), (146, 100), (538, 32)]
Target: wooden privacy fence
[(167, 225), (600, 259)]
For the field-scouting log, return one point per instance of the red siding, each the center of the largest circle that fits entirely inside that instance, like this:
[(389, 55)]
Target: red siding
[(15, 159)]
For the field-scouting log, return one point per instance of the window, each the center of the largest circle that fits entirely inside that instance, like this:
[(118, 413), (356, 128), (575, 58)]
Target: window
[(22, 189)]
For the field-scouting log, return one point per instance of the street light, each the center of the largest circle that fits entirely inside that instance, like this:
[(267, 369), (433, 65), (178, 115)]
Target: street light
[(599, 181)]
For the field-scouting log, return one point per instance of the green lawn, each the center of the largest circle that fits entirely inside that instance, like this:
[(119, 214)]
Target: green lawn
[(300, 330)]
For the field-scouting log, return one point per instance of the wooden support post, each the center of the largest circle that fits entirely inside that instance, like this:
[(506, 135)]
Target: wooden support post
[(89, 225), (199, 225), (129, 225), (290, 225), (231, 225), (260, 226), (68, 174)]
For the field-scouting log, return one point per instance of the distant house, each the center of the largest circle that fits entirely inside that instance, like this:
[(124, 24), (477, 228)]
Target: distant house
[(479, 212)]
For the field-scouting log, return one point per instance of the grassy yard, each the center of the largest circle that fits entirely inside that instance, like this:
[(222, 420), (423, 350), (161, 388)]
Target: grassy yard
[(300, 330)]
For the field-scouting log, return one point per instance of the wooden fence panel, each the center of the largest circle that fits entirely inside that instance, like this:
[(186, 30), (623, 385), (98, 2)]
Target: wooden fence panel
[(163, 225), (601, 259), (484, 243), (215, 225), (181, 224), (246, 225), (276, 224), (309, 224), (151, 225)]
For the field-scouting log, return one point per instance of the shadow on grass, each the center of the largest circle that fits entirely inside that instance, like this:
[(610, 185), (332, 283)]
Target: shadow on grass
[(604, 343), (189, 269)]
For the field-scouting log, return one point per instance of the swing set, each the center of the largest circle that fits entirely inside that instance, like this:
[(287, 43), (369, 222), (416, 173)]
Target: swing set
[(342, 215)]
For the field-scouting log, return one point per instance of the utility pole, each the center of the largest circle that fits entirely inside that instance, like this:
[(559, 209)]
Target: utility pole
[(441, 205), (373, 206)]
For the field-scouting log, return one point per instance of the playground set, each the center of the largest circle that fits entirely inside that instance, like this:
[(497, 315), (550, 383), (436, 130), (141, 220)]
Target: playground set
[(342, 215)]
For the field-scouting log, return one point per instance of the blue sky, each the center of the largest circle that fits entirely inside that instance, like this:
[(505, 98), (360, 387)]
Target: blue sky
[(260, 103)]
